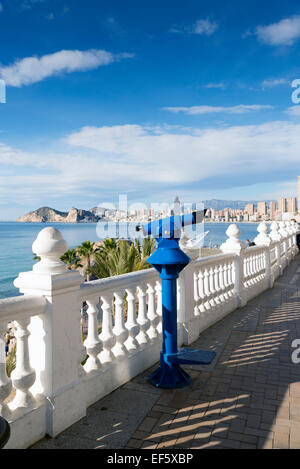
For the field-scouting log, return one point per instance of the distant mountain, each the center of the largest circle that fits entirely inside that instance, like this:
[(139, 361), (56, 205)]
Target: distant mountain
[(50, 215), (217, 204)]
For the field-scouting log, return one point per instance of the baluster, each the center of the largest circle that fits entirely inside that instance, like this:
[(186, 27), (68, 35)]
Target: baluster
[(217, 286), (196, 294), (92, 343), (221, 283), (23, 376), (5, 382), (206, 289), (229, 279), (131, 324), (258, 267), (107, 337), (142, 319), (225, 270), (252, 268), (232, 270), (263, 259), (246, 271), (152, 314), (212, 287), (264, 264), (247, 283), (120, 331), (159, 305), (202, 308)]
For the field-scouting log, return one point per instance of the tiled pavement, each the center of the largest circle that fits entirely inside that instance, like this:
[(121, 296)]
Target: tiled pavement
[(248, 398)]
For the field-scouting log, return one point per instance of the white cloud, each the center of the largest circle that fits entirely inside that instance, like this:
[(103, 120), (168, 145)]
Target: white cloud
[(152, 161), (28, 4), (34, 69), (143, 154), (275, 82), (206, 27), (202, 26), (239, 109), (216, 85), (293, 110), (284, 33)]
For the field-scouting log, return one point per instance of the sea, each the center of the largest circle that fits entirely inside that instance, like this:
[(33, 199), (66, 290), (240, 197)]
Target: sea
[(16, 243)]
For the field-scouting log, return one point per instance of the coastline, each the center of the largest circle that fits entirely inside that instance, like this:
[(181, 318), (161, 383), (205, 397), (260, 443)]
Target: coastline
[(129, 221)]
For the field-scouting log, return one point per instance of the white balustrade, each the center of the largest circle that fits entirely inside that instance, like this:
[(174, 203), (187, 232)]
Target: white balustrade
[(57, 375)]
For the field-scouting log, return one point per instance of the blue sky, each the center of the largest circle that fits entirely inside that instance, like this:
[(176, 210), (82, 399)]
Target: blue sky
[(150, 99)]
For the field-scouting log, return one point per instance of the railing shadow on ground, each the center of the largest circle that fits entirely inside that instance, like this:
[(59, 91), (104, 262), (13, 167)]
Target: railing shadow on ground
[(252, 397)]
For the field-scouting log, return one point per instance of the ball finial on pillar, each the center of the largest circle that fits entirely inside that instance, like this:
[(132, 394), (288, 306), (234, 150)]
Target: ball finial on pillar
[(50, 246)]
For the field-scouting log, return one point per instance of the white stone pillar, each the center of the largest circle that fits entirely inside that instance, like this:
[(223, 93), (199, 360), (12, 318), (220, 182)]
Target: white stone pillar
[(263, 239), (275, 235), (234, 245), (276, 239), (55, 343)]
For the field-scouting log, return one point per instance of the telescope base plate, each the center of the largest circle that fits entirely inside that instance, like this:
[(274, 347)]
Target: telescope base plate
[(170, 377), (192, 357)]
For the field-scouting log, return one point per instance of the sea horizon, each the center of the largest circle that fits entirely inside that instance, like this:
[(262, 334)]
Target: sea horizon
[(17, 239)]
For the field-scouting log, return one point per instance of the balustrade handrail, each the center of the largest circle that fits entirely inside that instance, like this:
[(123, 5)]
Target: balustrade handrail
[(213, 260), (117, 282), (254, 249), (22, 306)]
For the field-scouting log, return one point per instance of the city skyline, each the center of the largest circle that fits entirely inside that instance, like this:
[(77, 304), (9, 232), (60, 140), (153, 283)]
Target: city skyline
[(147, 101)]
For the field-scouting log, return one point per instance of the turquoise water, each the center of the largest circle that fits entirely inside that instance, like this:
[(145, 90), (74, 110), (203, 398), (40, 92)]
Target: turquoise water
[(16, 240)]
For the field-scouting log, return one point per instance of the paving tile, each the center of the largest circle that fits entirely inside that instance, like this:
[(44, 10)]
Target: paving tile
[(133, 443), (281, 441), (147, 424)]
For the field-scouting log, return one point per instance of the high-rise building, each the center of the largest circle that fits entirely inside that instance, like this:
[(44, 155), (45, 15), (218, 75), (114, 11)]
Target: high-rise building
[(292, 204), (272, 209), (261, 208), (249, 209), (282, 205)]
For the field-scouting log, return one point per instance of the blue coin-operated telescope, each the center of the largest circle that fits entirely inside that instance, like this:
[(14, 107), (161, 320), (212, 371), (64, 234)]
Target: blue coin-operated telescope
[(169, 260)]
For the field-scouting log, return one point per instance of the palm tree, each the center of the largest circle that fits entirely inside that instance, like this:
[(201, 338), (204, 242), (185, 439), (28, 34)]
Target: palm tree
[(143, 251), (86, 251), (121, 257), (71, 258), (110, 243)]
